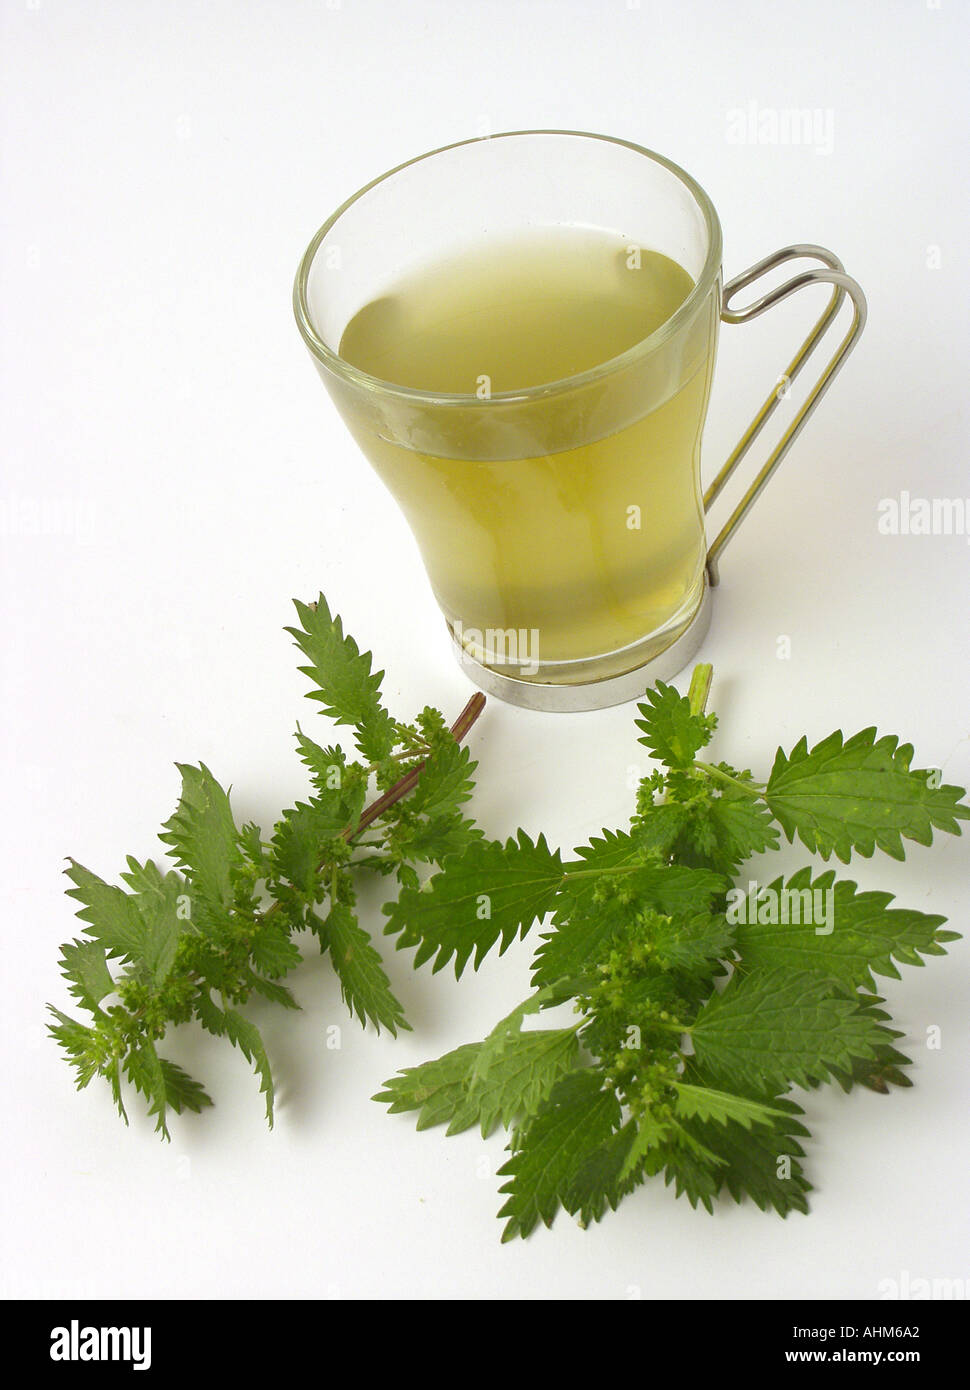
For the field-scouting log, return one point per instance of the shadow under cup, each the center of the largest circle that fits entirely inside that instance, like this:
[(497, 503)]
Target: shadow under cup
[(561, 526)]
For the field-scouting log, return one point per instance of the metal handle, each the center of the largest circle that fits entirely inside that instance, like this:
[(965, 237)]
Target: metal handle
[(843, 284)]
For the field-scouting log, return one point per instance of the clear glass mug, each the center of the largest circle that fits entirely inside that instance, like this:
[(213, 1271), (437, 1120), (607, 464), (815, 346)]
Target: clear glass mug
[(561, 526)]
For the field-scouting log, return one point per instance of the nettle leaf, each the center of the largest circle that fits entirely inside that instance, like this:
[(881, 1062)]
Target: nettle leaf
[(552, 1151), (705, 1103), (81, 1045), (209, 1014), (364, 986), (605, 1176), (432, 841), (644, 1152), (84, 965), (833, 928), (437, 1090), (476, 1084), (143, 1068), (346, 687), (275, 992), (672, 733), (516, 1079), (760, 1163), (446, 781), (693, 945), (165, 907), (613, 849), (182, 1092), (586, 925), (142, 928), (491, 892), (859, 794), (775, 1028), (728, 829), (692, 1176), (569, 951), (203, 836), (111, 915), (272, 951), (512, 1071), (297, 847), (884, 1069), (245, 1035), (340, 790)]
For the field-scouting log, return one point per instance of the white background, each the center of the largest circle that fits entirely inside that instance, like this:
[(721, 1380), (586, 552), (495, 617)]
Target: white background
[(174, 472)]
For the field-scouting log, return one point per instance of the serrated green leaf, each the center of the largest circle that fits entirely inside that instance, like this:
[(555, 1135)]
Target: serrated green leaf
[(553, 1149), (604, 1177), (84, 965), (203, 837), (165, 908), (329, 773), (274, 991), (672, 732), (728, 829), (761, 1163), (272, 951), (143, 1068), (79, 1042), (253, 848), (865, 936), (884, 1068), (436, 1089), (111, 914), (491, 892), (209, 1014), (512, 1081), (432, 841), (143, 928), (692, 944), (647, 1136), (775, 1028), (296, 851), (859, 795), (657, 829), (585, 926), (691, 1176), (246, 1037), (364, 986), (705, 1103), (182, 1092), (347, 688), (446, 781)]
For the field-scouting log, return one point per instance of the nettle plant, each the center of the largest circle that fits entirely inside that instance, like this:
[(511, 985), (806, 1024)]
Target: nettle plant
[(698, 1003), (196, 941)]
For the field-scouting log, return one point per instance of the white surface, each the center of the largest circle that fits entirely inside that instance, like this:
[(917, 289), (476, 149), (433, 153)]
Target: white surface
[(165, 166)]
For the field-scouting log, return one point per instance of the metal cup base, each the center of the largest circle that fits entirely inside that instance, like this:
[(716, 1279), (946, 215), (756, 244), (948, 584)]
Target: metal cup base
[(599, 694)]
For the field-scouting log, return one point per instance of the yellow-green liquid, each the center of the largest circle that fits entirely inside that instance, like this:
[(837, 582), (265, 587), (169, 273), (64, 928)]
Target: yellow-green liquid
[(591, 546)]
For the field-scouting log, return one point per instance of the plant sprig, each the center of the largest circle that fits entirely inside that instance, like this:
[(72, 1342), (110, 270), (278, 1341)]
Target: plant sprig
[(196, 942), (700, 1005)]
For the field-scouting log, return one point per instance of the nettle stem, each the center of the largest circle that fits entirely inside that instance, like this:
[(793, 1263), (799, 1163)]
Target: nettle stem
[(752, 789), (409, 781), (700, 687), (401, 787)]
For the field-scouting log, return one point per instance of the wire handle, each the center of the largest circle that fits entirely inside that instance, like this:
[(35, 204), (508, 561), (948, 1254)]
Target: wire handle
[(842, 285)]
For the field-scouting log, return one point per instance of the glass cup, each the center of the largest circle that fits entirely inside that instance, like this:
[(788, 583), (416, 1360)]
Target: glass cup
[(561, 526)]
